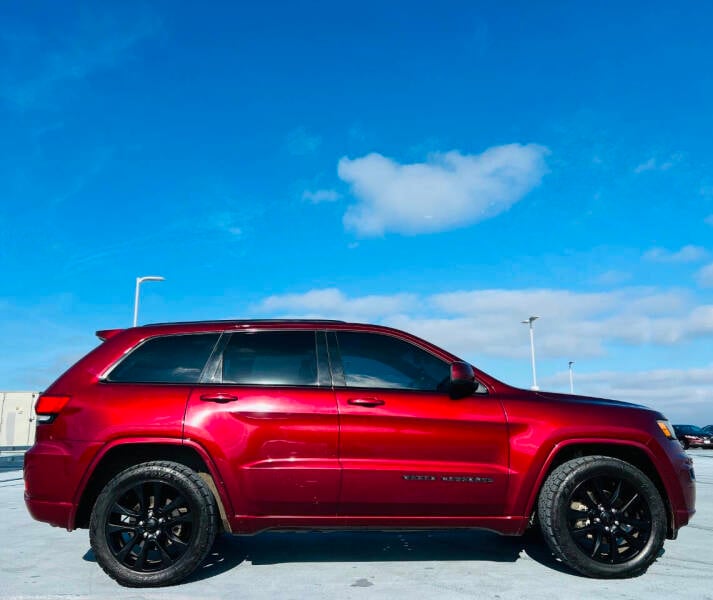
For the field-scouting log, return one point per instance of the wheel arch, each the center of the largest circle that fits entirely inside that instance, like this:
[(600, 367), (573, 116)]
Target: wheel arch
[(121, 454), (635, 454)]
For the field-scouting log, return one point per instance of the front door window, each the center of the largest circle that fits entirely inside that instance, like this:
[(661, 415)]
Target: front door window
[(385, 362)]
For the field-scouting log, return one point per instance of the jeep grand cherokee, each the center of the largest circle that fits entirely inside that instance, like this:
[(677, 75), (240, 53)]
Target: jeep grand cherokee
[(165, 434)]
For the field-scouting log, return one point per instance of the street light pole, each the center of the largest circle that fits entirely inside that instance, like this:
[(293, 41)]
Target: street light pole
[(571, 378), (530, 321), (139, 281)]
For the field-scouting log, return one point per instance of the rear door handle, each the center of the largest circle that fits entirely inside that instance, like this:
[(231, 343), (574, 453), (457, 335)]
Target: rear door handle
[(365, 401), (222, 398)]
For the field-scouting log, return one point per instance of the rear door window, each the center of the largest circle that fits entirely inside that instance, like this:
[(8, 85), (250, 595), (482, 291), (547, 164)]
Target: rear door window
[(271, 358), (166, 359)]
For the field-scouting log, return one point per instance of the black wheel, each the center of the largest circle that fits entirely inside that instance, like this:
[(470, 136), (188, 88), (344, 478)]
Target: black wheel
[(602, 516), (153, 524)]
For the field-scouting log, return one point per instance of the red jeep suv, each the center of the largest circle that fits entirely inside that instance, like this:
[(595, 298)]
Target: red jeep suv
[(165, 434)]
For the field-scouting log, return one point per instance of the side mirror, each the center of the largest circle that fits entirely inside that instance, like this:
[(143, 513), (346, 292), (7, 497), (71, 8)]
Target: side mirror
[(462, 380)]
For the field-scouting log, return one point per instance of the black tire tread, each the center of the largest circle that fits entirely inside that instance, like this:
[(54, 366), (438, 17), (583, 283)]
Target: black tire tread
[(546, 512), (167, 471), (547, 500)]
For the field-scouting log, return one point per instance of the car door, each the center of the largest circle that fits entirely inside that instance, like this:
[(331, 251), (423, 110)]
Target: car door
[(267, 415), (406, 447)]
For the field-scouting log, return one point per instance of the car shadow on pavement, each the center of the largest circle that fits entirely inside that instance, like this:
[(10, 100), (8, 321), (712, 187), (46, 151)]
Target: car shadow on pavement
[(375, 546), (370, 546)]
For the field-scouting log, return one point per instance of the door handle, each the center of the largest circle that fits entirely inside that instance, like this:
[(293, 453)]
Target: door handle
[(365, 401), (222, 398)]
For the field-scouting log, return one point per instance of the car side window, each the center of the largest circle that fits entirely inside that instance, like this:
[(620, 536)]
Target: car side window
[(382, 361), (166, 359), (271, 358)]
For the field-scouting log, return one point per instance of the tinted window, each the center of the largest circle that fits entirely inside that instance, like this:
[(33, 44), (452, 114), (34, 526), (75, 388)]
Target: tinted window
[(271, 358), (382, 361), (167, 359)]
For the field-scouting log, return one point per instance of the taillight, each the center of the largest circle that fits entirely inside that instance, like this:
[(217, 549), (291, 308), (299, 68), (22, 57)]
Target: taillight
[(48, 407)]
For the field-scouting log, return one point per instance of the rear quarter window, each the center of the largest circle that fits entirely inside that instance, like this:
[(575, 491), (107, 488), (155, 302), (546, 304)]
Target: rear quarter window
[(166, 359)]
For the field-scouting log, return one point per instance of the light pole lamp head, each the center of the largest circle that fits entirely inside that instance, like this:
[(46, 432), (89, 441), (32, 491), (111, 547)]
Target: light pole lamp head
[(530, 320), (139, 281)]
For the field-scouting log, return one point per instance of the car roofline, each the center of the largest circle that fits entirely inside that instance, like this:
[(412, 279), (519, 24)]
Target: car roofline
[(241, 322)]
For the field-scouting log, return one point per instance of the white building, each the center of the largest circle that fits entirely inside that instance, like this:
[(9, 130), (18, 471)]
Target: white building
[(17, 419)]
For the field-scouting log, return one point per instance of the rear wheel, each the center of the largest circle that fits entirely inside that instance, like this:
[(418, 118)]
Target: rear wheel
[(602, 516), (153, 524)]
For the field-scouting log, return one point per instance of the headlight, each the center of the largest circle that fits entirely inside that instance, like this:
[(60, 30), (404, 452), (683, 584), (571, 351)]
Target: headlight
[(666, 429)]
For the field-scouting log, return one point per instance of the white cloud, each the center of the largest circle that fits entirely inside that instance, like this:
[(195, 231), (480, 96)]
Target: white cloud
[(487, 322), (448, 191), (684, 255), (613, 277), (572, 324), (649, 165), (331, 303), (319, 196), (683, 395), (705, 276), (525, 302), (300, 142), (654, 164)]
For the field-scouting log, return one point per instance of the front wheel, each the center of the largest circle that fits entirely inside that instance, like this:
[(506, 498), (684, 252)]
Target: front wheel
[(602, 516), (153, 524)]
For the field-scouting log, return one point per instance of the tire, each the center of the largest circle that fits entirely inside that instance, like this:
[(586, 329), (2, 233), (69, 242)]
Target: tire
[(602, 517), (153, 524)]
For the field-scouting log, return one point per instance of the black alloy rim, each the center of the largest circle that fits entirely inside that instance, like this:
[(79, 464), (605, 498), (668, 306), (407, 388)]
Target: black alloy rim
[(150, 526), (609, 519)]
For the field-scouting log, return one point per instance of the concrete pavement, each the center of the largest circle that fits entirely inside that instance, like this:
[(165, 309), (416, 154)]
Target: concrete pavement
[(39, 561)]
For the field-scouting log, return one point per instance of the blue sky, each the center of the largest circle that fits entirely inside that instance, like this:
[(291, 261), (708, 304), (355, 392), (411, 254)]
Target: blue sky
[(449, 168)]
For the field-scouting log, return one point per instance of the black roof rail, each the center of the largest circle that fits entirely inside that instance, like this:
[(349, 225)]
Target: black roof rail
[(244, 321)]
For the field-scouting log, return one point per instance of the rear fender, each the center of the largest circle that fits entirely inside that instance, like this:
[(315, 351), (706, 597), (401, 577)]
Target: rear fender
[(217, 486)]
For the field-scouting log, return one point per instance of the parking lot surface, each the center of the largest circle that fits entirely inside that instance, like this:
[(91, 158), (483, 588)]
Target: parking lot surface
[(39, 561)]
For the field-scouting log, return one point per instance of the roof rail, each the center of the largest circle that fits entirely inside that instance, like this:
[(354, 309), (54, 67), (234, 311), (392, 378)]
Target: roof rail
[(246, 321)]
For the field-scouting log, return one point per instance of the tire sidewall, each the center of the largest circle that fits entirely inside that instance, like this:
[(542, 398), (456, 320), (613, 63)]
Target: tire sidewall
[(202, 528), (568, 546)]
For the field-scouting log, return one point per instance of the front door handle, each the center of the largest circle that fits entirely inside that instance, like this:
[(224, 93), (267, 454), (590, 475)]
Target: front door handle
[(365, 401), (222, 398)]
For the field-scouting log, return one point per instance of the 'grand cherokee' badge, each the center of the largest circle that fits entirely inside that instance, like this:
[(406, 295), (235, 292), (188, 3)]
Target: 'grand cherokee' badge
[(451, 478)]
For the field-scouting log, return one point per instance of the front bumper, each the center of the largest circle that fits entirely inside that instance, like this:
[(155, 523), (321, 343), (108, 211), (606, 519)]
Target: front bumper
[(684, 508)]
